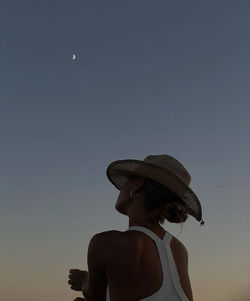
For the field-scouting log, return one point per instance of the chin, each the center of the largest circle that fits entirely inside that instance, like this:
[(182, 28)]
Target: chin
[(120, 208)]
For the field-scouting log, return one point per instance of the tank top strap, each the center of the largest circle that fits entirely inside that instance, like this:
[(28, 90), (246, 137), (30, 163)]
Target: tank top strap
[(168, 266), (166, 239), (160, 244), (146, 231)]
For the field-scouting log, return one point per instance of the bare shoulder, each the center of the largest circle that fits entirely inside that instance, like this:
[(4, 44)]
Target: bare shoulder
[(107, 239), (112, 235), (180, 255), (114, 241), (106, 234), (111, 245)]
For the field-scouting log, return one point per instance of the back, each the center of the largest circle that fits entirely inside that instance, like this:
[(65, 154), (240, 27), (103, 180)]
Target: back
[(142, 268)]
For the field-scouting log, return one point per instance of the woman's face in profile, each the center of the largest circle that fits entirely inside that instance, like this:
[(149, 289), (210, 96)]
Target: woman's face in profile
[(124, 199)]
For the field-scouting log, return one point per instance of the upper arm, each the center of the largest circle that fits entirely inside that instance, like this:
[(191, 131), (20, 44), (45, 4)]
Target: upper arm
[(97, 281), (180, 255)]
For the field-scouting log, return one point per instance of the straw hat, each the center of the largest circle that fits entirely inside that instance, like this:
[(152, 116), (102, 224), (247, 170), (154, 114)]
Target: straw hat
[(162, 169)]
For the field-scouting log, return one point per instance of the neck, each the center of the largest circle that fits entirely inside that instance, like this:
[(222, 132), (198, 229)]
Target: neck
[(143, 224)]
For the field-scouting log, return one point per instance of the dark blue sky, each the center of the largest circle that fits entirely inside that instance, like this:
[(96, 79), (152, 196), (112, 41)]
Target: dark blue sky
[(150, 77)]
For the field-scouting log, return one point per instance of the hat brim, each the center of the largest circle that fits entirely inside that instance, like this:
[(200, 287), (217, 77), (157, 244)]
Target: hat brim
[(118, 172)]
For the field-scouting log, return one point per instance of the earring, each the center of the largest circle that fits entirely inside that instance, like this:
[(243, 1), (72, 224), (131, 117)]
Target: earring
[(132, 194)]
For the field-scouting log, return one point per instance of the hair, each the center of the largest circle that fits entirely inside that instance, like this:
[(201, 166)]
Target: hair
[(163, 204)]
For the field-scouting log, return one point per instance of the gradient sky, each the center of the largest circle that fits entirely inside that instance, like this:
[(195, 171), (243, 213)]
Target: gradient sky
[(150, 77)]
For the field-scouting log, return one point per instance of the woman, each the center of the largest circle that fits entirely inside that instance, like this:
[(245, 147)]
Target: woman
[(146, 262)]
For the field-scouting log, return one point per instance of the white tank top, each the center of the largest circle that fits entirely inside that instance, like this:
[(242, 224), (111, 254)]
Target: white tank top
[(171, 288)]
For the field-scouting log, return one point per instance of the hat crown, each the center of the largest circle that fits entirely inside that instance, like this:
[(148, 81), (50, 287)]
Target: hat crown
[(171, 164)]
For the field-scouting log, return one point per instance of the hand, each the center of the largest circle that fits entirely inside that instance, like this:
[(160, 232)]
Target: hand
[(77, 279)]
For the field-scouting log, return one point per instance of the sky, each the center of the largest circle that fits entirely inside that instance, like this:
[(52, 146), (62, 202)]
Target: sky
[(150, 77)]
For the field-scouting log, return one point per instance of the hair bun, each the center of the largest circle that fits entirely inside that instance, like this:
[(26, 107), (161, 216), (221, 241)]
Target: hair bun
[(164, 204), (175, 212)]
